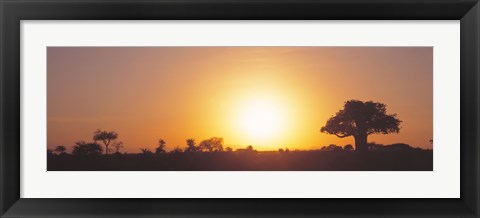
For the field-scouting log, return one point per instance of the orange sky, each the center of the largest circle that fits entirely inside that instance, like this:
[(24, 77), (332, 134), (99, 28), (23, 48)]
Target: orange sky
[(175, 93)]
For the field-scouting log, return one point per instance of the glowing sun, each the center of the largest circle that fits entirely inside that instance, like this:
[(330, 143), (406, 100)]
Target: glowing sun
[(261, 119)]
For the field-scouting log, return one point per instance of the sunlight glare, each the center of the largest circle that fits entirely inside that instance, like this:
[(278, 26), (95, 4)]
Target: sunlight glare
[(261, 120)]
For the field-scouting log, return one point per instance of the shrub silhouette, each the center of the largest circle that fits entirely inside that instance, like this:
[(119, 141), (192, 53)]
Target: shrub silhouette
[(146, 151), (82, 148), (106, 137), (400, 146), (360, 119), (348, 147), (60, 149), (331, 147), (176, 150)]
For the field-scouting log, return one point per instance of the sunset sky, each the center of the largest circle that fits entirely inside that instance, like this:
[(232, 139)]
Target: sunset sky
[(268, 97)]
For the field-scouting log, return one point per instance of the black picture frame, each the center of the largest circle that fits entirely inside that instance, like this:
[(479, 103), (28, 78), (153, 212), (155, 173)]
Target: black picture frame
[(13, 11)]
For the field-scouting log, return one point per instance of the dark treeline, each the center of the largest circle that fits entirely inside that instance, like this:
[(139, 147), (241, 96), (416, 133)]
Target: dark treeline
[(209, 155), (357, 119)]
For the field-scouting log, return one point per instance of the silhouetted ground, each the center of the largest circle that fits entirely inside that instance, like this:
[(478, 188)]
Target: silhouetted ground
[(403, 160)]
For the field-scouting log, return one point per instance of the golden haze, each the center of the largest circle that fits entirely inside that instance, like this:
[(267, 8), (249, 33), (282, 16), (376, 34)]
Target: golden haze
[(268, 97)]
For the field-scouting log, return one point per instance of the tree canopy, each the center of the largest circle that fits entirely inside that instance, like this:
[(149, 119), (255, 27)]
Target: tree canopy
[(360, 119), (106, 137), (161, 147), (212, 144), (191, 145)]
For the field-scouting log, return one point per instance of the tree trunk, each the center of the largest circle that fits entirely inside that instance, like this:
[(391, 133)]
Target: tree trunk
[(361, 142), (106, 150)]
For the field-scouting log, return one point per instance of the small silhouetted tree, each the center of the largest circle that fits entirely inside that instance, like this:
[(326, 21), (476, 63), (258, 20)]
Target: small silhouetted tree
[(211, 145), (205, 145), (191, 145), (82, 148), (60, 149), (250, 149), (161, 147), (228, 149), (106, 137), (361, 119)]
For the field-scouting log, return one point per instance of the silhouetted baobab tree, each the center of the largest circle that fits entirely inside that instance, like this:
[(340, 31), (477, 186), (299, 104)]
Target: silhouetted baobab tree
[(106, 137), (360, 119)]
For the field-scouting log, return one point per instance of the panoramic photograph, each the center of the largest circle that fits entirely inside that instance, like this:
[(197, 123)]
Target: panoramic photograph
[(240, 108)]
